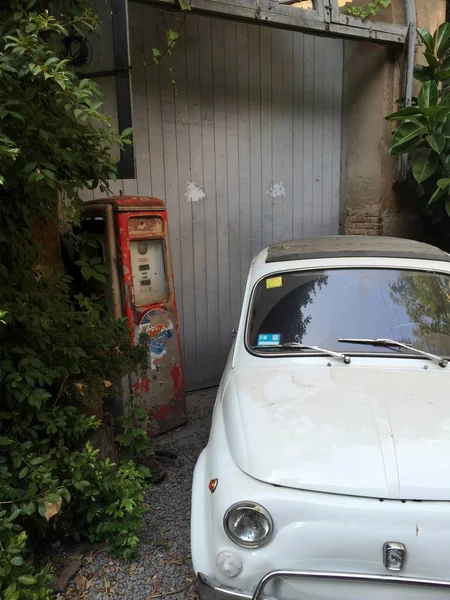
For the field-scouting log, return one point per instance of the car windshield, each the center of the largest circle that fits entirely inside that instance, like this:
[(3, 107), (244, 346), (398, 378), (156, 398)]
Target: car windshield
[(318, 308)]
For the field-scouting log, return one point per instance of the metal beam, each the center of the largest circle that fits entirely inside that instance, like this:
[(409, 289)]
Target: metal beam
[(126, 168), (409, 72), (274, 14)]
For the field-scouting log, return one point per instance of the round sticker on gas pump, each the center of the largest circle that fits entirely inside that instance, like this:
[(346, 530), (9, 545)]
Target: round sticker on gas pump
[(158, 326)]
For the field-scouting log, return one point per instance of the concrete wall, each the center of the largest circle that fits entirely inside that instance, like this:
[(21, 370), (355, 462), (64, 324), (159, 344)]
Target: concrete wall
[(372, 203)]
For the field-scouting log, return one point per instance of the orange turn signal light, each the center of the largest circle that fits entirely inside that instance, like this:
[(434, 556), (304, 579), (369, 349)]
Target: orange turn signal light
[(213, 485)]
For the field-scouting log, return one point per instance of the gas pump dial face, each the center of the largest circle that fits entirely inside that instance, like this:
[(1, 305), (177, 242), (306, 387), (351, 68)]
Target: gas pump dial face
[(142, 247)]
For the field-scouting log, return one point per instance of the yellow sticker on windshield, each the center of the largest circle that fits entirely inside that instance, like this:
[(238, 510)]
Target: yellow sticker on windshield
[(274, 282)]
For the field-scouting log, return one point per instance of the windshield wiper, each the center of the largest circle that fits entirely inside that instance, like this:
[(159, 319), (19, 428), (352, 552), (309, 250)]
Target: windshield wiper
[(343, 357), (442, 362)]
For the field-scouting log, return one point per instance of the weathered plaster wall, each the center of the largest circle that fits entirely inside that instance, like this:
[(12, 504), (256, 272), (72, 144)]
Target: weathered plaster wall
[(372, 203)]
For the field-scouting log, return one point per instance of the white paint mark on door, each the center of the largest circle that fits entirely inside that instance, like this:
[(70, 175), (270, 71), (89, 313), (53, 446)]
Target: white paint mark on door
[(277, 190), (194, 192)]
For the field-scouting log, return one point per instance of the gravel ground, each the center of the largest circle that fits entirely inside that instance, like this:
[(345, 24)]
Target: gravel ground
[(162, 568)]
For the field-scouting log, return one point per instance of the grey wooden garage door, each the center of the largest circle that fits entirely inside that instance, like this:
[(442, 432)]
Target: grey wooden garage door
[(239, 130)]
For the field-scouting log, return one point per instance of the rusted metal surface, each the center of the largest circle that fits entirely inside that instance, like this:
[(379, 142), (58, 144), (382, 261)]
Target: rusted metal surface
[(131, 203), (161, 388), (142, 228)]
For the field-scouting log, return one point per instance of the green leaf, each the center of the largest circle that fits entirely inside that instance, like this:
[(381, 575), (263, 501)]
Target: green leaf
[(422, 73), (424, 164), (446, 127), (23, 473), (444, 183), (16, 115), (184, 5), (65, 494), (426, 38), (404, 113), (437, 194), (428, 95), (4, 441), (442, 74), (15, 514), (171, 36), (436, 141), (435, 110), (99, 276), (447, 206), (27, 580), (404, 135), (442, 39), (17, 561), (86, 272), (432, 60), (53, 498)]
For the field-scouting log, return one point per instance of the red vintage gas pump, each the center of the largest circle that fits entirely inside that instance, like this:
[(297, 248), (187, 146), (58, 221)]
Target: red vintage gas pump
[(134, 236)]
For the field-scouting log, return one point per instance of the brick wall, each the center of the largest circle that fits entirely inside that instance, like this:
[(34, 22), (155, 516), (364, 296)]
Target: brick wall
[(364, 222)]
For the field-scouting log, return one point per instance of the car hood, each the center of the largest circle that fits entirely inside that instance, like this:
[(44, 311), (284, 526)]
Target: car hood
[(381, 433)]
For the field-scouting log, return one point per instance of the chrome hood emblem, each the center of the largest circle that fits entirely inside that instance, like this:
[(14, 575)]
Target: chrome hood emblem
[(394, 555)]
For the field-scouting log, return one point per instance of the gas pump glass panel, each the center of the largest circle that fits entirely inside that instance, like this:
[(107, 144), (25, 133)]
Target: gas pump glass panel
[(149, 271)]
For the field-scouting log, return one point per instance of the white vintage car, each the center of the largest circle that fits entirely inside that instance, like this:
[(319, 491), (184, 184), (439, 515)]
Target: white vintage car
[(327, 471)]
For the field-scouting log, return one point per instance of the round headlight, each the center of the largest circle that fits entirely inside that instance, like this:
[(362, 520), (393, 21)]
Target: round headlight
[(248, 524)]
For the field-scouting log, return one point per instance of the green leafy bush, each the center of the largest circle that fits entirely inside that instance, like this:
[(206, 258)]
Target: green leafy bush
[(424, 132), (370, 10), (19, 577), (59, 350)]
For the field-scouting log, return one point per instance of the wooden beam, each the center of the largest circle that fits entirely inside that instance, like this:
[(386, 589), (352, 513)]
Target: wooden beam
[(274, 14)]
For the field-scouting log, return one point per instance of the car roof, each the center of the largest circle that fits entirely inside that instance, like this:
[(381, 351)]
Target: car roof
[(353, 245)]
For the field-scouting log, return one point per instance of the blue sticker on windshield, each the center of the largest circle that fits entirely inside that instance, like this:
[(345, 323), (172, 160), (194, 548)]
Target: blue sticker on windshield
[(269, 339)]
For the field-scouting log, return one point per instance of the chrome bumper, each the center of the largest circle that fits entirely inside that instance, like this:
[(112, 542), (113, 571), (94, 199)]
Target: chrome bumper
[(212, 590)]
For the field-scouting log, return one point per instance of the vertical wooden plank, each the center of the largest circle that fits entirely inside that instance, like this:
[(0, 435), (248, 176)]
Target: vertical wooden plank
[(169, 146), (233, 183), (211, 363), (318, 149), (130, 187), (338, 55), (242, 39), (150, 17), (198, 207), (254, 49), (308, 135), (139, 101), (277, 135), (184, 207), (298, 129), (220, 139), (327, 151), (266, 132), (288, 134)]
